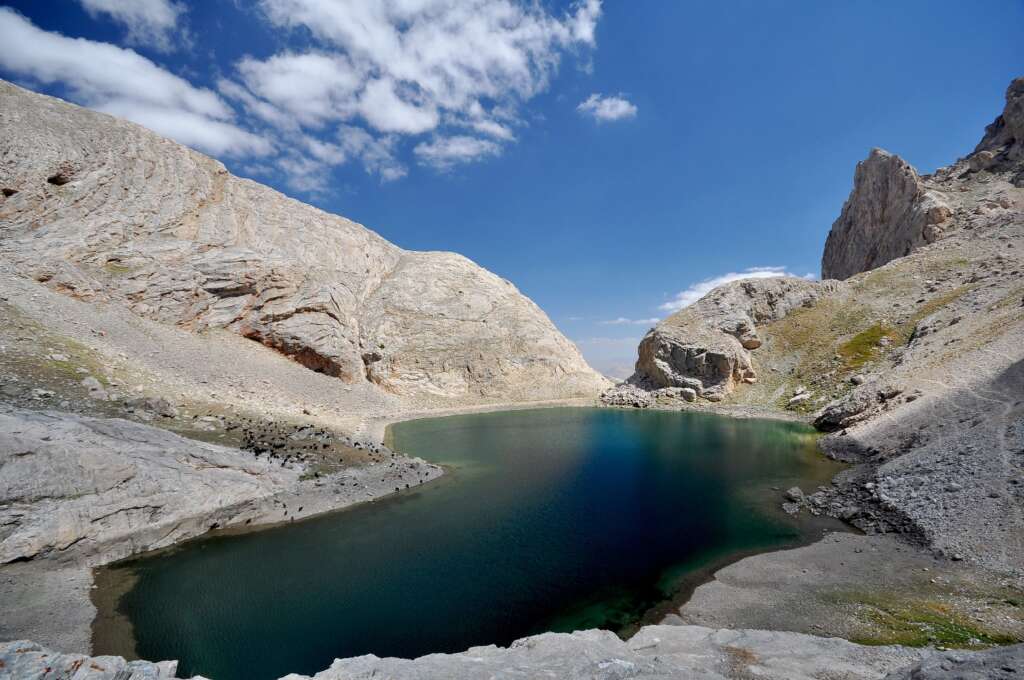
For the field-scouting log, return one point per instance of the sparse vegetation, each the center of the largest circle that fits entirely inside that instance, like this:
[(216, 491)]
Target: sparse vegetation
[(924, 623), (867, 345)]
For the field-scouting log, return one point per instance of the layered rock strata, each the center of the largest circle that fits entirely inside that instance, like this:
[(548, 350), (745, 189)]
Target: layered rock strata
[(106, 211)]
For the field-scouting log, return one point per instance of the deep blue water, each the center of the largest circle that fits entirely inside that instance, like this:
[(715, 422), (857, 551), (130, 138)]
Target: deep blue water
[(551, 519)]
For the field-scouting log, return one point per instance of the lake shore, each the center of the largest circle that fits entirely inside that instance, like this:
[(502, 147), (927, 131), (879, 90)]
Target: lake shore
[(723, 596), (39, 588)]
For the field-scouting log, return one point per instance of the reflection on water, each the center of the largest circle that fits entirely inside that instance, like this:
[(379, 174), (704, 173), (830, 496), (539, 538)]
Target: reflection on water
[(552, 519)]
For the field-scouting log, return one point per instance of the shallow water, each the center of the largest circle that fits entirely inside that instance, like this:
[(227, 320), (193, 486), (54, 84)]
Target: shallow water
[(550, 519)]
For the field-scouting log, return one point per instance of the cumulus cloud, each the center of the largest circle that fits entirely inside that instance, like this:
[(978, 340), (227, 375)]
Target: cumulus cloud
[(399, 67), (444, 153), (607, 108), (309, 89), (122, 82), (443, 83), (623, 321), (698, 290), (149, 22)]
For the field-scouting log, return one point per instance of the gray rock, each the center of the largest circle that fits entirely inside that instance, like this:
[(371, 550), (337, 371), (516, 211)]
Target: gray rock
[(709, 343), (889, 214), (627, 394), (994, 664), (802, 397), (96, 489), (654, 652), (169, 233), (95, 387), (24, 660)]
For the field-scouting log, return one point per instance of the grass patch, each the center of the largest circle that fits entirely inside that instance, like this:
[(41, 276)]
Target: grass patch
[(925, 623), (866, 346)]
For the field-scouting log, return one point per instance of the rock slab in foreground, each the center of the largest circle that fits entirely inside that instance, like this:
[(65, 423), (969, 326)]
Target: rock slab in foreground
[(655, 652), (24, 660)]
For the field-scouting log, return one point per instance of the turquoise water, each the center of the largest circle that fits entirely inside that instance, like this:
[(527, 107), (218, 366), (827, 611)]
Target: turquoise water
[(551, 519)]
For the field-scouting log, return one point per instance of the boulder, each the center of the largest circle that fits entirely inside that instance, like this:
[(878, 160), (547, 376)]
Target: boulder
[(707, 346)]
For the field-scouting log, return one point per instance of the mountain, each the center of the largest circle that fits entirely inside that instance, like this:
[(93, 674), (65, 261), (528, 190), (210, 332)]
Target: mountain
[(908, 354), (106, 211)]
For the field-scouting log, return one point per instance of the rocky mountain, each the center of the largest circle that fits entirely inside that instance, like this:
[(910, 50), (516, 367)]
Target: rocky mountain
[(912, 361), (893, 211), (104, 210)]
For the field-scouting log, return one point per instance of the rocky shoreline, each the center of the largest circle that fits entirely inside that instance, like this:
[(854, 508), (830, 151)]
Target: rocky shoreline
[(137, 410)]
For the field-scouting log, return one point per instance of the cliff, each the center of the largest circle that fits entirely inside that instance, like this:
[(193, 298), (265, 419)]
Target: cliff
[(106, 211)]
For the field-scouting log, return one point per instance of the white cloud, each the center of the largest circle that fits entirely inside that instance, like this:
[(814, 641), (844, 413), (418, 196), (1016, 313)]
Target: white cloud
[(149, 22), (312, 88), (449, 78), (377, 153), (698, 290), (623, 321), (126, 84), (604, 109), (408, 67), (386, 111), (445, 152)]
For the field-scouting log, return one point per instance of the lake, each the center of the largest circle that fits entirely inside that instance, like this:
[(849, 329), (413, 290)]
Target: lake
[(548, 520)]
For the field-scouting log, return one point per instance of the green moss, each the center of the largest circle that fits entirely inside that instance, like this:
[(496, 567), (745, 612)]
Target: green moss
[(925, 623), (866, 346), (117, 269)]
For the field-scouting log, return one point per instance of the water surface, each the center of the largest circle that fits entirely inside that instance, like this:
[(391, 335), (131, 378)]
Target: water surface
[(550, 519)]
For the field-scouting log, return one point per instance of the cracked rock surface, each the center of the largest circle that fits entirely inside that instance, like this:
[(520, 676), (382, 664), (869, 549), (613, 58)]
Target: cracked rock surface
[(106, 211)]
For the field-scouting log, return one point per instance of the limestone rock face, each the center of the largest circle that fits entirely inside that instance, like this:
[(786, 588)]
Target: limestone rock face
[(706, 347), (98, 489), (890, 213), (104, 210)]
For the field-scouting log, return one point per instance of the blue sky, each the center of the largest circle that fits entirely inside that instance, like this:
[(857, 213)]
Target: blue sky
[(606, 158)]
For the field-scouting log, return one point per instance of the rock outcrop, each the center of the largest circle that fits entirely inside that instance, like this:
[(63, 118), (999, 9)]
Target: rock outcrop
[(1003, 143), (106, 211), (1006, 663), (893, 211), (706, 347), (654, 652), (98, 489), (890, 213)]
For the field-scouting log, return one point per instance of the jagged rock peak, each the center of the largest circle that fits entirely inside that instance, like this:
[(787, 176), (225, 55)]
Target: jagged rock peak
[(1006, 133), (892, 211), (104, 210), (889, 213)]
